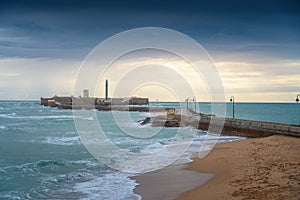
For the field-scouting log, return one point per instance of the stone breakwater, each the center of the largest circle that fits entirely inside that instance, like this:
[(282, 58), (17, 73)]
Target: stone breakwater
[(177, 117), (237, 127)]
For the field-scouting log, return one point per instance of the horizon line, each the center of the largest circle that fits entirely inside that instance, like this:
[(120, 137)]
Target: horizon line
[(292, 101)]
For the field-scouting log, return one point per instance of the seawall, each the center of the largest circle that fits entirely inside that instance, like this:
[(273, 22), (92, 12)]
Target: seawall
[(179, 117), (237, 127)]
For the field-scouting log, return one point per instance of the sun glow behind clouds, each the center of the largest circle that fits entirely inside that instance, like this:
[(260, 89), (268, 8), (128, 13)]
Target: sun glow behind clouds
[(31, 78), (278, 81), (156, 92), (163, 75)]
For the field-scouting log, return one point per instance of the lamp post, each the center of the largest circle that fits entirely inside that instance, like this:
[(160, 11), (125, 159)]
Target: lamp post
[(195, 104), (297, 101), (187, 103), (232, 100)]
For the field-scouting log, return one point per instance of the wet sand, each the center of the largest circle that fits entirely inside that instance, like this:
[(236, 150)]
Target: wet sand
[(169, 183), (261, 168)]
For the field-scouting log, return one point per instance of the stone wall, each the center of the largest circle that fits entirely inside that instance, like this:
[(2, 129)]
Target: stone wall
[(237, 127)]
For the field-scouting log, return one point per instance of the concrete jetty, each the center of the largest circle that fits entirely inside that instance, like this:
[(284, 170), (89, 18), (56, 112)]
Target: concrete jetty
[(236, 127), (174, 117)]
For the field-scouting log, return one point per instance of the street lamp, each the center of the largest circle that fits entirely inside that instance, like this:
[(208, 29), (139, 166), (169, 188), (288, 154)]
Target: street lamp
[(232, 100), (195, 104), (297, 101), (187, 103)]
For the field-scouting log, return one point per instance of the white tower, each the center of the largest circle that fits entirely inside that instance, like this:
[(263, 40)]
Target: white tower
[(85, 93)]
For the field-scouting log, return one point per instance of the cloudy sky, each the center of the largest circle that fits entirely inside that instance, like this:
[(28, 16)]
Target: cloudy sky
[(255, 45)]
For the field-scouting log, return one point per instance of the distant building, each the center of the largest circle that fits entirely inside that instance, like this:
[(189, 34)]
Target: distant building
[(56, 101), (122, 101), (90, 102), (85, 93)]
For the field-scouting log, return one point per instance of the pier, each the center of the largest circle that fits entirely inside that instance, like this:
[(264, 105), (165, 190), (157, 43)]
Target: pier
[(234, 127), (173, 117)]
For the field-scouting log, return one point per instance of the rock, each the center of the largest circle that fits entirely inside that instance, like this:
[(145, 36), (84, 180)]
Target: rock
[(145, 121)]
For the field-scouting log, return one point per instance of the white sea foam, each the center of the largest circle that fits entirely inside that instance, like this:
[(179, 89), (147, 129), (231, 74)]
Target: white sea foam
[(153, 148), (106, 185), (32, 167), (9, 196), (195, 146), (62, 140), (158, 152), (155, 114), (87, 162), (109, 186)]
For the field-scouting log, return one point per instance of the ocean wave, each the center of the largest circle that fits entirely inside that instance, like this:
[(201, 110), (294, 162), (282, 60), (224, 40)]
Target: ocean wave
[(58, 117), (8, 115), (54, 179), (32, 167), (38, 166), (153, 148), (151, 114), (86, 183), (11, 196), (75, 140), (185, 146)]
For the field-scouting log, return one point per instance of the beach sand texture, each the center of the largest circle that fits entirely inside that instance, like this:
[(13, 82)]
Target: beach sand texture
[(258, 168)]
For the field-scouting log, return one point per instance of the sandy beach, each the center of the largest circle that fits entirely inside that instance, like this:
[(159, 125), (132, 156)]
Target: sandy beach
[(260, 168)]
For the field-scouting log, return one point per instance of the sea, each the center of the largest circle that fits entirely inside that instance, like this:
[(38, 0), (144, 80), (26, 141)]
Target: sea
[(42, 156)]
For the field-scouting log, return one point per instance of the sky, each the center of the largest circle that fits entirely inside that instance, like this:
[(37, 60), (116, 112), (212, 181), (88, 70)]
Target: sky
[(255, 45)]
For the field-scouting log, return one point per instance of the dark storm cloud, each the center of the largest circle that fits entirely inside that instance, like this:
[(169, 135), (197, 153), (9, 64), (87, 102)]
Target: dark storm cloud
[(60, 28), (169, 6)]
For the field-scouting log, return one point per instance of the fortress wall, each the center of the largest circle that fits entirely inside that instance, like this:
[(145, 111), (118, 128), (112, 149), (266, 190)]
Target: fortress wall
[(250, 128)]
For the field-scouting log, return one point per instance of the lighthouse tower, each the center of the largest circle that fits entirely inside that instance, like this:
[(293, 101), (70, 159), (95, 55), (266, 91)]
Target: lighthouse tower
[(106, 90)]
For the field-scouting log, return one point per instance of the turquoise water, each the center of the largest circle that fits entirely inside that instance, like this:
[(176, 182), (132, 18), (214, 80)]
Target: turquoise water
[(42, 155)]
